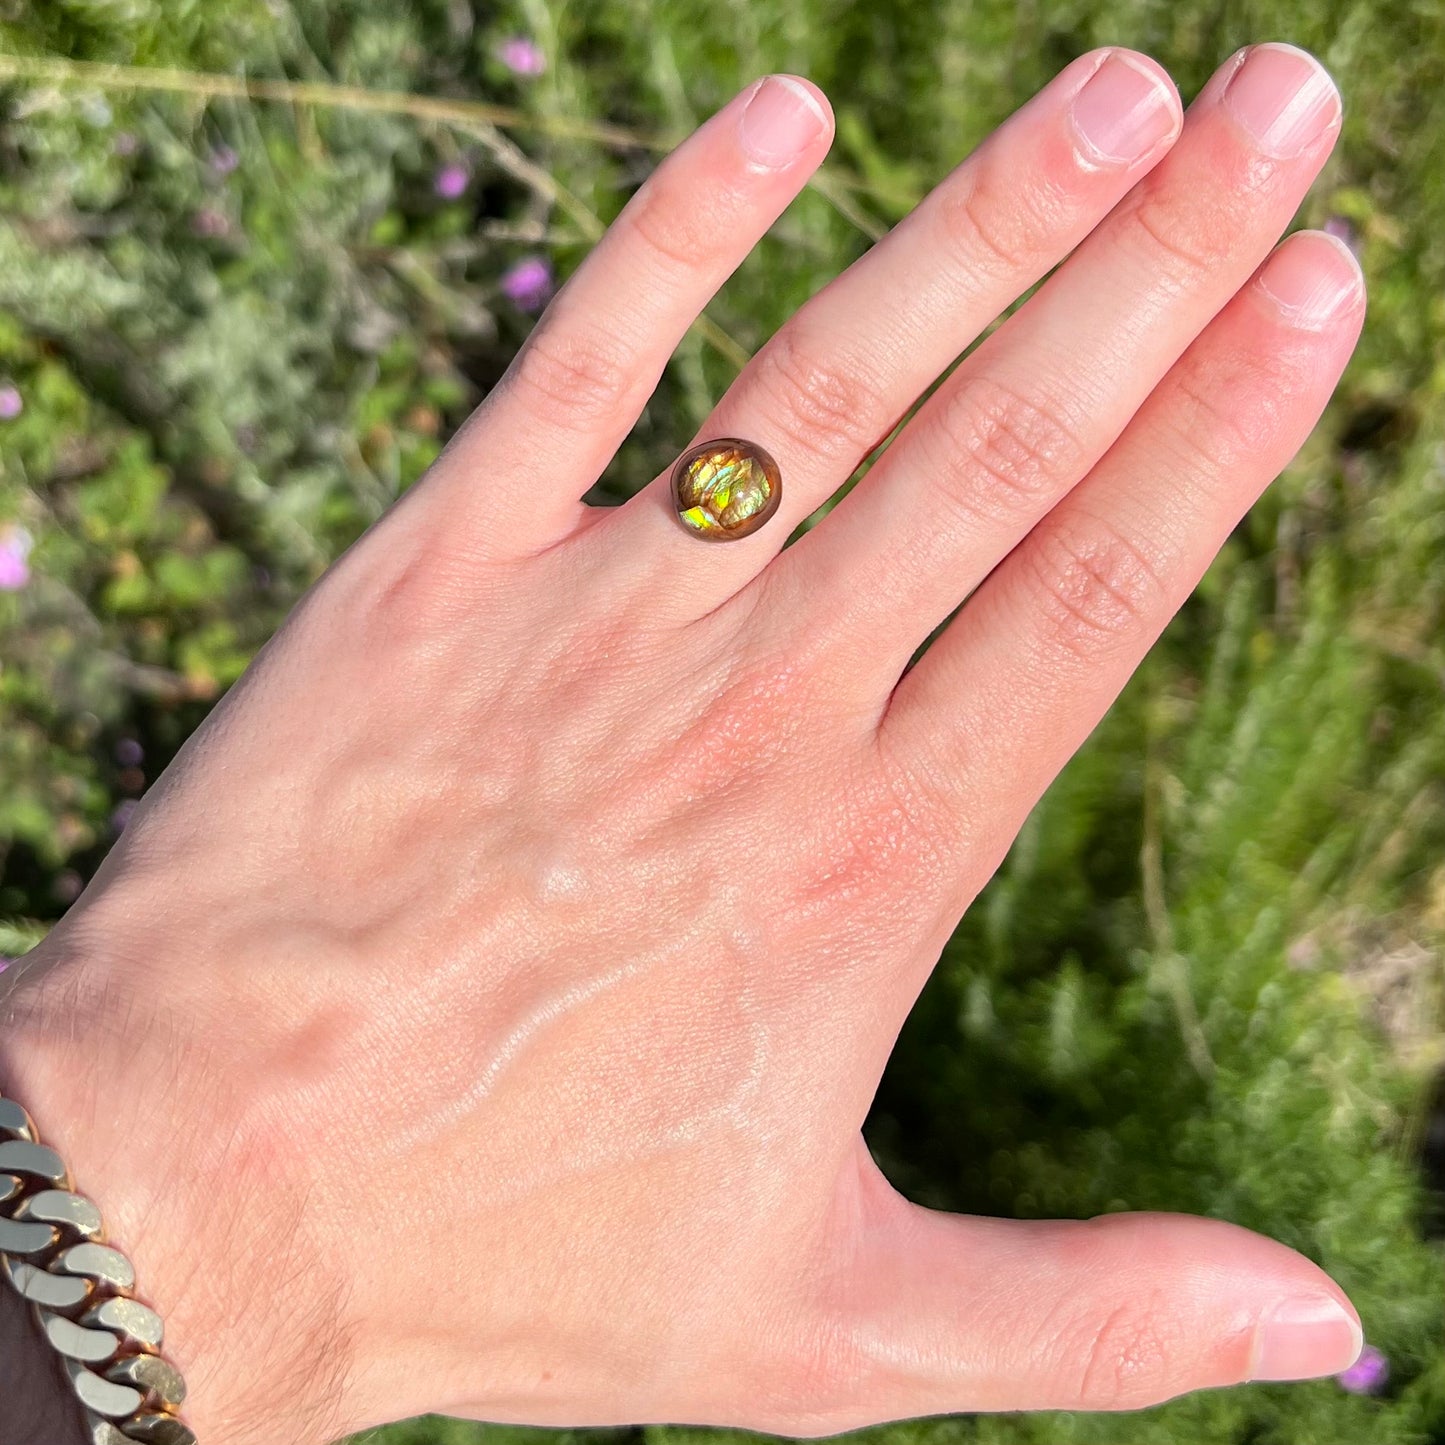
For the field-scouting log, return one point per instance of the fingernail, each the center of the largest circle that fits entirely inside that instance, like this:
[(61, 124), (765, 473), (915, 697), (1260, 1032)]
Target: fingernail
[(1283, 97), (1311, 278), (1123, 111), (1306, 1338), (781, 120)]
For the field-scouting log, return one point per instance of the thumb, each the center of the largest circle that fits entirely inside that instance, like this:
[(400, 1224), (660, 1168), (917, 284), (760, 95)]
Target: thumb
[(940, 1313)]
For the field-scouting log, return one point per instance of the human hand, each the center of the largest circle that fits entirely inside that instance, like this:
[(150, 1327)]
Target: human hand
[(480, 1013)]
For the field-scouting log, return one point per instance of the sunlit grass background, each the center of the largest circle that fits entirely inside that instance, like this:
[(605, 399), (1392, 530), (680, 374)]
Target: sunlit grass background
[(233, 328)]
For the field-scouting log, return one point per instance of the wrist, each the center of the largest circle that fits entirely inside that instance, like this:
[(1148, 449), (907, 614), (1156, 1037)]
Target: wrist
[(105, 1057), (38, 1402)]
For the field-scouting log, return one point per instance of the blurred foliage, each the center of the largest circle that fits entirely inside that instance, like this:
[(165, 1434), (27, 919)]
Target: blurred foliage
[(1208, 976)]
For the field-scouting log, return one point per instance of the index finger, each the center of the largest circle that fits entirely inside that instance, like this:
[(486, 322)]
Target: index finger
[(514, 475)]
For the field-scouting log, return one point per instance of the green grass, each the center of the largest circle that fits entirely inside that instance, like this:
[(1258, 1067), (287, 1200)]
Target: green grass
[(1208, 977)]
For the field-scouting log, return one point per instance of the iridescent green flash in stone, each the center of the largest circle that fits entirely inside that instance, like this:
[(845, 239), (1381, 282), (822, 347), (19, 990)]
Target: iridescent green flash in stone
[(725, 489)]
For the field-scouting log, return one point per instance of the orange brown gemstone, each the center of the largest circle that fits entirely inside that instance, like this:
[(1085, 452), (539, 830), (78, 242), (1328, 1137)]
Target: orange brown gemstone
[(725, 489)]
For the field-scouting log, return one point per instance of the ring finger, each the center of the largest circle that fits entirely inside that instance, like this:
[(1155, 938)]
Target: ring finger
[(835, 379)]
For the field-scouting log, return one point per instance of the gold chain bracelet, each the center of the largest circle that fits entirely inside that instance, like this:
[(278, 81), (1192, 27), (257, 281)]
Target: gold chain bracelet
[(53, 1252)]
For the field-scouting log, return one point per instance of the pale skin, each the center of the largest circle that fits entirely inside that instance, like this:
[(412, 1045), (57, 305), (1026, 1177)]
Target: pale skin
[(480, 1013)]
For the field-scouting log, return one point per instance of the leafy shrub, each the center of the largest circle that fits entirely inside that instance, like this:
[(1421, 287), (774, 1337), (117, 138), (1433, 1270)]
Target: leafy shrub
[(232, 331)]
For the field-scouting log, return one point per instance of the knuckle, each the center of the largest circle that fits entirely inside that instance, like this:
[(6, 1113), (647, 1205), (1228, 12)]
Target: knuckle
[(1019, 447), (1006, 223), (751, 710), (883, 846), (1126, 1358), (1228, 412), (682, 229), (574, 376), (1092, 587), (1186, 239), (830, 408)]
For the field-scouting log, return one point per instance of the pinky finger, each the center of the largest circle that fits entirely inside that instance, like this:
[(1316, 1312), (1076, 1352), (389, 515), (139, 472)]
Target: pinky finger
[(1026, 670)]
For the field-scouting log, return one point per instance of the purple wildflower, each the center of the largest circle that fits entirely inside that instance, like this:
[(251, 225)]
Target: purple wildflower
[(210, 222), (1342, 230), (14, 571), (122, 814), (67, 885), (451, 181), (125, 144), (529, 283), (15, 546), (223, 161), (521, 56), (11, 403), (1368, 1374), (129, 753)]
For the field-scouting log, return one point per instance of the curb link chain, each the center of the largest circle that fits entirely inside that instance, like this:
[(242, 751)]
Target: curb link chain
[(53, 1252)]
